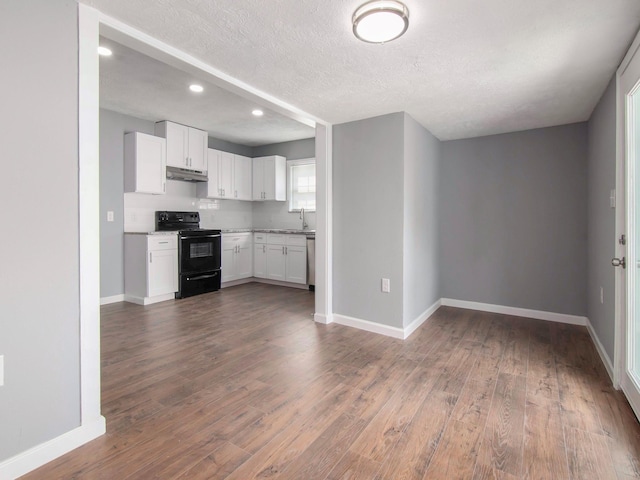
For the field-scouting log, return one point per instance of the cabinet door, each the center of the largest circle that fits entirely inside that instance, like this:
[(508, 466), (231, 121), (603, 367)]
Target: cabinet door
[(269, 178), (177, 144), (276, 266), (260, 260), (228, 261), (225, 174), (197, 149), (244, 259), (258, 179), (145, 163), (210, 188), (242, 177), (296, 264), (162, 270)]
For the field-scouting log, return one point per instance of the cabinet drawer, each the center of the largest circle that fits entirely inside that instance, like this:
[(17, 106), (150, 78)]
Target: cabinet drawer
[(276, 239), (259, 238), (231, 239), (162, 242), (299, 240)]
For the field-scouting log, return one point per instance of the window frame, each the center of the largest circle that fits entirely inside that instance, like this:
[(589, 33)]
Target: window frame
[(290, 164)]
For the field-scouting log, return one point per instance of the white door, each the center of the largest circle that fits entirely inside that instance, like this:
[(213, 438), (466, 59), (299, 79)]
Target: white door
[(628, 224), (257, 179), (163, 272), (260, 260), (197, 149), (225, 183), (177, 145), (228, 261), (244, 263), (242, 177)]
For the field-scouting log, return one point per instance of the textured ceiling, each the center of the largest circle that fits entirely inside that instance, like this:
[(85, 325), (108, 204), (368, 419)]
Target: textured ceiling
[(465, 67), (137, 85)]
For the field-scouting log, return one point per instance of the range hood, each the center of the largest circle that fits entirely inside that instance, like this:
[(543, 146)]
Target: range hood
[(176, 173)]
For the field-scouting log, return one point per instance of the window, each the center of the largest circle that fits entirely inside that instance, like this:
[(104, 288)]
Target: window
[(301, 175)]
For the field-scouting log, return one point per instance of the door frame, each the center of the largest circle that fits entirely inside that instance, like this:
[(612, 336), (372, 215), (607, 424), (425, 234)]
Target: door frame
[(92, 23), (622, 220)]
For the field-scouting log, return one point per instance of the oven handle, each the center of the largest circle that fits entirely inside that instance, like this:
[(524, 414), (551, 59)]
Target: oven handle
[(202, 277), (198, 236)]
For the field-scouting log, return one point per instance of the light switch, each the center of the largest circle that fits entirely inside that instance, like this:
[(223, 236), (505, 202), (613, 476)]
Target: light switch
[(386, 285), (612, 199), (110, 216)]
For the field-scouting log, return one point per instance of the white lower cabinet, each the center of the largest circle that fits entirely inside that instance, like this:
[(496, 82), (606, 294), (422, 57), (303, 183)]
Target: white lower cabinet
[(280, 257), (237, 256), (151, 268)]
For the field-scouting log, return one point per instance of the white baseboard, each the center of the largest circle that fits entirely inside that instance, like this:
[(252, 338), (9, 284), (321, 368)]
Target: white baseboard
[(322, 318), (233, 283), (35, 457), (516, 312), (601, 351), (423, 317), (149, 300), (368, 326), (280, 284), (112, 299)]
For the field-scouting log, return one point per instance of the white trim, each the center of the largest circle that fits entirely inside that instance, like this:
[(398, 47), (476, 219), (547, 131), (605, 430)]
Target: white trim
[(423, 317), (301, 286), (368, 326), (233, 283), (601, 351), (149, 300), (89, 216), (112, 299), (37, 456), (517, 312), (321, 318)]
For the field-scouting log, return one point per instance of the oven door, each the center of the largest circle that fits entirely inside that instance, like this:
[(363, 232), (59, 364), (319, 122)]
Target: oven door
[(199, 253)]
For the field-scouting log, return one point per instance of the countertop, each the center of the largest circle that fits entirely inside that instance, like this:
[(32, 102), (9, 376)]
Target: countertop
[(289, 231)]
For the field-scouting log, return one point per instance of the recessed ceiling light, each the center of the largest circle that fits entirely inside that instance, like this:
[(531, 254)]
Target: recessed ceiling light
[(196, 88), (380, 21), (104, 51), (257, 112)]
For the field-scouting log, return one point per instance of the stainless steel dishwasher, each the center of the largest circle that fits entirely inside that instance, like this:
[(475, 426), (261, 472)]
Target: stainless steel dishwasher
[(311, 263)]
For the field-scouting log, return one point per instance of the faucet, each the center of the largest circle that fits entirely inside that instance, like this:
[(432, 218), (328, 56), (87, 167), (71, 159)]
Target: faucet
[(304, 222)]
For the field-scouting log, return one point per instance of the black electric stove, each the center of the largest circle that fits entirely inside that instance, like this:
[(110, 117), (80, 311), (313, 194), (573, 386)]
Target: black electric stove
[(199, 252)]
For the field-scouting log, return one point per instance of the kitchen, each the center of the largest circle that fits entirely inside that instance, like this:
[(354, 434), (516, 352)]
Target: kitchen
[(136, 91)]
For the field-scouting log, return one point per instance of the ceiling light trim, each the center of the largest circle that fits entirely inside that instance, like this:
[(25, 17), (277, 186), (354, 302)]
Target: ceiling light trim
[(376, 7)]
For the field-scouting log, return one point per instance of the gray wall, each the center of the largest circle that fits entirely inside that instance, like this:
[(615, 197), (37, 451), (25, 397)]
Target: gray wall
[(602, 233), (368, 191), (513, 219), (292, 150), (39, 313), (113, 126), (276, 214), (230, 147), (421, 263)]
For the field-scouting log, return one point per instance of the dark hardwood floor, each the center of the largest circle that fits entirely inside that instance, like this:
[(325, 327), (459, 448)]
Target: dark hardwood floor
[(242, 384)]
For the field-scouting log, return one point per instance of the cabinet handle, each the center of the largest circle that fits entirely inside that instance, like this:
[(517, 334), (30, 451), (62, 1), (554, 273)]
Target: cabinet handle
[(150, 257), (162, 243), (264, 248), (164, 187), (236, 193), (283, 250)]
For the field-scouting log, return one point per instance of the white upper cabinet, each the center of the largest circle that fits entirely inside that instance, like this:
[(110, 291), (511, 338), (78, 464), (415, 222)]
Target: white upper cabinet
[(242, 177), (270, 178), (145, 162), (186, 146), (229, 176)]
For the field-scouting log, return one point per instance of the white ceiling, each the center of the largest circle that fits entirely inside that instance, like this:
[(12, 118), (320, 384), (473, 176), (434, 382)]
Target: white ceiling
[(465, 67), (138, 85)]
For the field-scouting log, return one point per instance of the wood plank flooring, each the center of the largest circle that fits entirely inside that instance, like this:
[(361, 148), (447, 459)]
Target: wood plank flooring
[(242, 384)]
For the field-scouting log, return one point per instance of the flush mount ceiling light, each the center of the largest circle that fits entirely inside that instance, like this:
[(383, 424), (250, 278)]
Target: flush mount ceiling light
[(257, 112), (196, 88), (380, 21), (104, 51)]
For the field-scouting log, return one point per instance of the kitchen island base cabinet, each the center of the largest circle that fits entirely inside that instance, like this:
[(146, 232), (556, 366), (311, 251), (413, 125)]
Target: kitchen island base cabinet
[(151, 268)]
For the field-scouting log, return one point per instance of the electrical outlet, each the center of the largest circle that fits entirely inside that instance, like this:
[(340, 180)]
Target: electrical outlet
[(386, 285), (110, 216), (601, 295), (1, 370)]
